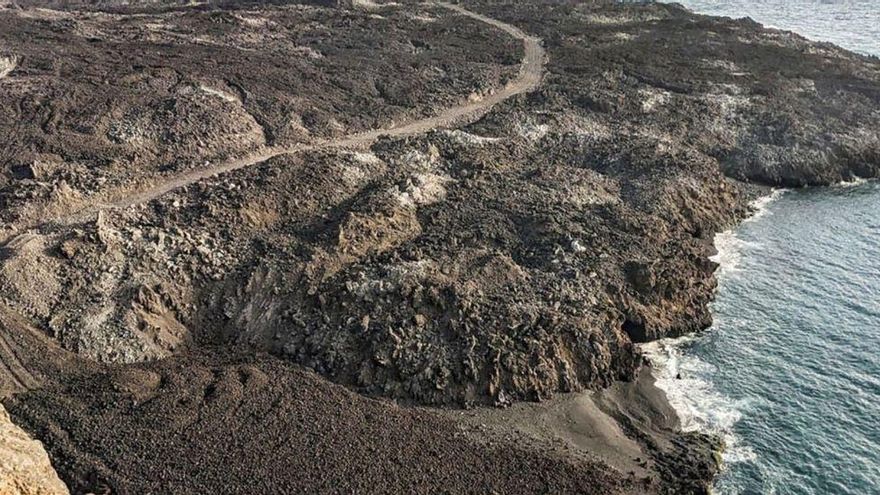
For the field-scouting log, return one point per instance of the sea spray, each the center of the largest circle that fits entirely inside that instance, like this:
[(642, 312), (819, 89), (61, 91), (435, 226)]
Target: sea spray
[(687, 382), (761, 206), (686, 379)]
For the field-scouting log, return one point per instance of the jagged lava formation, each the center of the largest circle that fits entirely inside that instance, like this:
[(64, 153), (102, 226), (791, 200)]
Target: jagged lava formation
[(511, 253)]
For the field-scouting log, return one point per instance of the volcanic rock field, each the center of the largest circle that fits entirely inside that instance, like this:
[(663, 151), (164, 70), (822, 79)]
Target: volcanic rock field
[(362, 247)]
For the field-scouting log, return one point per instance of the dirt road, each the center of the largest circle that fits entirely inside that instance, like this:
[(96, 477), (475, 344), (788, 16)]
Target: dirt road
[(530, 74)]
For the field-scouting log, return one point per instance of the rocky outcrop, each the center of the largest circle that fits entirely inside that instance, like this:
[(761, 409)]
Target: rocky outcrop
[(518, 257), (24, 465), (7, 65)]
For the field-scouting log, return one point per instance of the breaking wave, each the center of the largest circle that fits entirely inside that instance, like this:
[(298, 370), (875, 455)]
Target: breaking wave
[(687, 380)]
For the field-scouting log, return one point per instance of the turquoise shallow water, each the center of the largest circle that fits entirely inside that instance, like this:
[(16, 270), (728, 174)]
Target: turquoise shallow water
[(790, 371)]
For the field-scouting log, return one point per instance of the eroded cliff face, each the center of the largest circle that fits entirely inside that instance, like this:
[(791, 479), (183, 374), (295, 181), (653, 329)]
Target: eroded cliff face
[(24, 465), (511, 256)]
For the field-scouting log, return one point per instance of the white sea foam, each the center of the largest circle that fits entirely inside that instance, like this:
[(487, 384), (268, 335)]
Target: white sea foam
[(687, 380), (855, 181), (729, 247), (761, 205)]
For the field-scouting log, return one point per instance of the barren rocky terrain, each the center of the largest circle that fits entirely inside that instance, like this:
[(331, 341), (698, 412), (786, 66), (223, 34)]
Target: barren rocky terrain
[(298, 229)]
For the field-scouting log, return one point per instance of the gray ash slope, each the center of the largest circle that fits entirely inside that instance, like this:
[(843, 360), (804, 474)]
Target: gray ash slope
[(254, 424), (518, 257)]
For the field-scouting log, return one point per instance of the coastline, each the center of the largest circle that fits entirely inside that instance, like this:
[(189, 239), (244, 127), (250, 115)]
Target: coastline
[(699, 407), (312, 433), (631, 427), (689, 378), (576, 224)]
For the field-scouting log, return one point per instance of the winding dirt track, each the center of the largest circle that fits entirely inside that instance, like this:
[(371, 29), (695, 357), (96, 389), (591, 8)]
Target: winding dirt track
[(530, 75), (14, 373), (23, 349), (14, 370)]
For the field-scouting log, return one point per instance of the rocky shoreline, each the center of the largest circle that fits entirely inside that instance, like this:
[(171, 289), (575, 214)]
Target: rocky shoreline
[(517, 256)]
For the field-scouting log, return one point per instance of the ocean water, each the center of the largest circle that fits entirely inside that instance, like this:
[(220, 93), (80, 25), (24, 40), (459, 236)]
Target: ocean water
[(852, 24), (789, 373)]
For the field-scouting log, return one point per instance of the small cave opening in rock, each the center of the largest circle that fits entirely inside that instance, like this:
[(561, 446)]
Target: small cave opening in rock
[(636, 331)]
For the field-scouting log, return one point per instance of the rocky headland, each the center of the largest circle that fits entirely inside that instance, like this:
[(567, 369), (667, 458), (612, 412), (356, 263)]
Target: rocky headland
[(319, 247)]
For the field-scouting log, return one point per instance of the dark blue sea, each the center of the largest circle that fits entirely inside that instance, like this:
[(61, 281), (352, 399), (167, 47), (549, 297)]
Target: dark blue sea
[(789, 373)]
